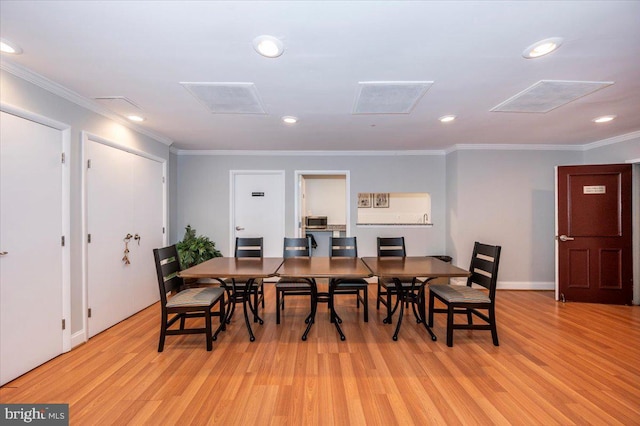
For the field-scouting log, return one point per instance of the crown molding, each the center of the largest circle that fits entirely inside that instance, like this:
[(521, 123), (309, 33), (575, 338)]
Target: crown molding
[(611, 141), (513, 147), (59, 90), (309, 153)]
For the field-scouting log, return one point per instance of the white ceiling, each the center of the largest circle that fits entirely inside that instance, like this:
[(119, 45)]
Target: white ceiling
[(471, 51)]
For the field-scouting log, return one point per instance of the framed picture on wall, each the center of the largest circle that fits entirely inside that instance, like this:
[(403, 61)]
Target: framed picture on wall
[(364, 200), (381, 200)]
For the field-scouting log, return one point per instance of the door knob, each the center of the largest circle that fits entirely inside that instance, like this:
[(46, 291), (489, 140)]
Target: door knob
[(565, 238), (239, 228)]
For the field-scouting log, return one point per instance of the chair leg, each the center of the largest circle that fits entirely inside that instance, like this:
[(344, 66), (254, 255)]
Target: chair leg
[(182, 319), (389, 304), (469, 317), (366, 304), (494, 329), (450, 325), (378, 296), (277, 306), (431, 305), (207, 326), (163, 332)]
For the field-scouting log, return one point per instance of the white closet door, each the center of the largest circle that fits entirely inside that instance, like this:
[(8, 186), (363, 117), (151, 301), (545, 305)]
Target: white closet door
[(31, 228), (148, 222), (125, 196), (109, 220)]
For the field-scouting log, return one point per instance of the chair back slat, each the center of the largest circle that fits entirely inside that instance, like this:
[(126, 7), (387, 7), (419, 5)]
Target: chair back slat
[(391, 246), (249, 247), (484, 267), (297, 247), (343, 247), (167, 268)]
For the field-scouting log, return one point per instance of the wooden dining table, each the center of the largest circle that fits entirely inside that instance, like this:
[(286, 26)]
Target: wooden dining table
[(246, 269), (311, 268), (419, 269)]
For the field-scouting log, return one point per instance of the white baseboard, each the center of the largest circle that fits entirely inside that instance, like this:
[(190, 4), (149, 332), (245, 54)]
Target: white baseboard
[(77, 338), (526, 285)]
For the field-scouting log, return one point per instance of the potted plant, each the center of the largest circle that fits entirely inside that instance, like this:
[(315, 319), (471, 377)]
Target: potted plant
[(195, 249)]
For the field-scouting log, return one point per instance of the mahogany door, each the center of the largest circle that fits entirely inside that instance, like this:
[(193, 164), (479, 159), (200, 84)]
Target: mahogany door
[(594, 234)]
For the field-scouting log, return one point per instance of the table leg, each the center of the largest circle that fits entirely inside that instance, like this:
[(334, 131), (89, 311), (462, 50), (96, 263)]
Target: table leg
[(334, 316), (401, 299), (314, 307), (422, 309), (246, 300)]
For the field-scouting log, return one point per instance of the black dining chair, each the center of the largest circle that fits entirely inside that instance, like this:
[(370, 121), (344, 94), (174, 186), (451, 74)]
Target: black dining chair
[(465, 299), (246, 247), (188, 303), (293, 247), (348, 247), (390, 247)]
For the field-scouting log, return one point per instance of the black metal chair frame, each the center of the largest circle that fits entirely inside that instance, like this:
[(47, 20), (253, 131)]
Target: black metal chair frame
[(246, 247), (348, 247), (167, 268), (391, 246), (294, 247), (484, 272)]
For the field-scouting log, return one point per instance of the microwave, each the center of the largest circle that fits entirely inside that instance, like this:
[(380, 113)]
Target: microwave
[(315, 222)]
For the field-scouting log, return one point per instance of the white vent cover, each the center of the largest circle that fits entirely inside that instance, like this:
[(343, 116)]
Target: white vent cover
[(389, 97), (227, 98), (118, 104), (547, 95)]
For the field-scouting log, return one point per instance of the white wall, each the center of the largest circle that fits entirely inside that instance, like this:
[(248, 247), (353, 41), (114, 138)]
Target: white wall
[(20, 93), (325, 196)]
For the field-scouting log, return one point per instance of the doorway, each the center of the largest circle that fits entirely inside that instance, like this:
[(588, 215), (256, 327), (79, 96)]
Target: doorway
[(594, 242), (258, 208), (323, 193)]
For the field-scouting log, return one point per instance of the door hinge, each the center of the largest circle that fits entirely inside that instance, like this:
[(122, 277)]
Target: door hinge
[(62, 241), (88, 164), (63, 158), (64, 324), (89, 313), (162, 179), (163, 229), (88, 238)]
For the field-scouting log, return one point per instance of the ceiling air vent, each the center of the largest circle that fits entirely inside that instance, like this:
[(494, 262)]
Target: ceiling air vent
[(227, 98), (389, 97), (547, 95), (118, 104)]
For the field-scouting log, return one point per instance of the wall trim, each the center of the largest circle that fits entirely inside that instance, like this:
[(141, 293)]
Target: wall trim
[(307, 153), (70, 95), (526, 285)]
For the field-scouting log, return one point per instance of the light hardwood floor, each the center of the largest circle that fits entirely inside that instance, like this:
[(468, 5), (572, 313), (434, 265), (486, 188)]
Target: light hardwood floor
[(556, 364)]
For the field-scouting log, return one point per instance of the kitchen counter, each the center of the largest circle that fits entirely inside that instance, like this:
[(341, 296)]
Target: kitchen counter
[(394, 224)]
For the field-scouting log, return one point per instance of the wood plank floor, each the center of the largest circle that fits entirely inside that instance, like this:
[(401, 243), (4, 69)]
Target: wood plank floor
[(557, 364)]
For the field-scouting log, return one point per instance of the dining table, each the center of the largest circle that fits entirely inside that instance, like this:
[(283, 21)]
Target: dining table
[(246, 269), (332, 268), (420, 270)]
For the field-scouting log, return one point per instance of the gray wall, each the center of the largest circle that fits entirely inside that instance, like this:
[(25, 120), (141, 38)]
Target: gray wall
[(19, 93), (203, 192), (506, 197)]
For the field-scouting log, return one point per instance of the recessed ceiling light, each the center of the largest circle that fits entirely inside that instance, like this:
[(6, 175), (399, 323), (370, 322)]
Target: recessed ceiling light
[(8, 47), (542, 47), (289, 119), (604, 119), (268, 46), (135, 118), (447, 118)]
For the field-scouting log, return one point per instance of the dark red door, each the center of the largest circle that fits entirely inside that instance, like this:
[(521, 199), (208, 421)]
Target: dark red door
[(594, 234)]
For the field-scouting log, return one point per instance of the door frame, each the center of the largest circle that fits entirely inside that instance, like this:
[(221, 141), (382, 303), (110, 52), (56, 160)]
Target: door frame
[(635, 219), (65, 134), (298, 214), (232, 206), (87, 137)]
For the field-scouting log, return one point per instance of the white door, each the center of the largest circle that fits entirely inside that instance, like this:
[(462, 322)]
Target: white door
[(258, 208), (124, 199), (31, 228)]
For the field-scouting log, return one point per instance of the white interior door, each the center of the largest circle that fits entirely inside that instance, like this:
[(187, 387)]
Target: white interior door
[(125, 197), (148, 205), (258, 208), (31, 228), (109, 220)]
